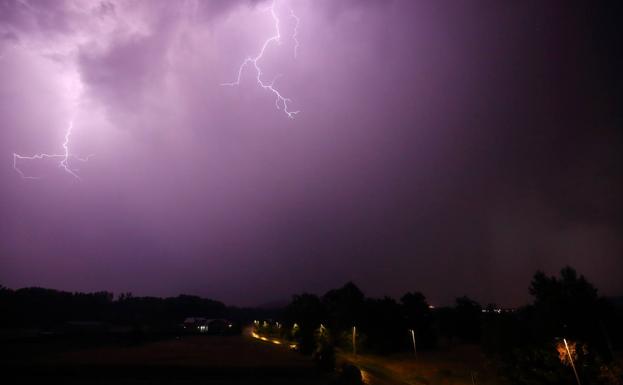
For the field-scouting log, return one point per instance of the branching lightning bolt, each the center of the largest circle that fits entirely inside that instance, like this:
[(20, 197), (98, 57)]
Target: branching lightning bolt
[(65, 157), (281, 102)]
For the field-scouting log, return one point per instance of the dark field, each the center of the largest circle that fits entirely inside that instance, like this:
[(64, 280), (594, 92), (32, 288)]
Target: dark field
[(191, 359), (200, 359)]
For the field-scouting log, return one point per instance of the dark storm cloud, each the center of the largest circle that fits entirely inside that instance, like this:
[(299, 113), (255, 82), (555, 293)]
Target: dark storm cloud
[(39, 16), (443, 147)]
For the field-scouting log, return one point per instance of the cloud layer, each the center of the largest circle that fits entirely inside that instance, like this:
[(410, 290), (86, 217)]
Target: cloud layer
[(440, 147)]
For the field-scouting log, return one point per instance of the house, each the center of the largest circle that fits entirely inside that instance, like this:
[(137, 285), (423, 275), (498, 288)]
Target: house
[(209, 326)]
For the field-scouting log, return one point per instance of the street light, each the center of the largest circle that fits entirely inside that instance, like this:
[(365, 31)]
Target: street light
[(413, 340), (564, 351), (577, 378), (354, 341)]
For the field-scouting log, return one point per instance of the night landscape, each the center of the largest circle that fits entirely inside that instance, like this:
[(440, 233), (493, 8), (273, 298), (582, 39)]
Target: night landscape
[(311, 192)]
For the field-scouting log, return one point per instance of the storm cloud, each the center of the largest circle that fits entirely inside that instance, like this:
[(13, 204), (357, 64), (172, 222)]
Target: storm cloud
[(452, 148)]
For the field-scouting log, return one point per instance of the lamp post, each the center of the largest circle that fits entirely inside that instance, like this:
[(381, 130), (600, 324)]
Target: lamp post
[(577, 378), (413, 340), (354, 341)]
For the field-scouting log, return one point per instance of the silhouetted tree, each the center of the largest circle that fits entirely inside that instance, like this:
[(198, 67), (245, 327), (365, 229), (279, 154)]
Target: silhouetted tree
[(534, 352), (566, 306), (384, 327), (303, 316), (418, 317), (468, 315), (344, 306)]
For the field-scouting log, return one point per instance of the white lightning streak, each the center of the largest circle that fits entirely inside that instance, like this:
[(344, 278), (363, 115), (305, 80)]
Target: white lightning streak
[(281, 102), (65, 157), (296, 32)]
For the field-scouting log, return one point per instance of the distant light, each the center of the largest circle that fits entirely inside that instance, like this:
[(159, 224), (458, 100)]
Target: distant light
[(292, 346), (276, 342)]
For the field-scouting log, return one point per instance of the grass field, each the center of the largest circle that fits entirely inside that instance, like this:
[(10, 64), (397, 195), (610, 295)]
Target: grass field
[(191, 359), (220, 360)]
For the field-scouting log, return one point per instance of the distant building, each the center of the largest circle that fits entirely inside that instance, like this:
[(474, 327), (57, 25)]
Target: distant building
[(498, 310), (205, 325)]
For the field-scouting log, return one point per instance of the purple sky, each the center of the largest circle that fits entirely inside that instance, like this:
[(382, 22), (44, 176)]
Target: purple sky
[(441, 146)]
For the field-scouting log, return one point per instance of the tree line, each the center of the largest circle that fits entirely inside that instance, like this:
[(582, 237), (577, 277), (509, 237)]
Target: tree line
[(528, 345), (53, 310)]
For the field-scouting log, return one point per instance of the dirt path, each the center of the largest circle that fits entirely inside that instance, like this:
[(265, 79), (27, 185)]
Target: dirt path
[(462, 366)]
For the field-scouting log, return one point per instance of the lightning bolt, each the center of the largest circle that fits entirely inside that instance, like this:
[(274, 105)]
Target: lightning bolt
[(71, 88), (64, 157), (281, 102), (296, 32)]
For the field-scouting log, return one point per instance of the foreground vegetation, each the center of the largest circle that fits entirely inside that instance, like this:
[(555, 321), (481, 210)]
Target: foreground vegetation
[(567, 326)]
